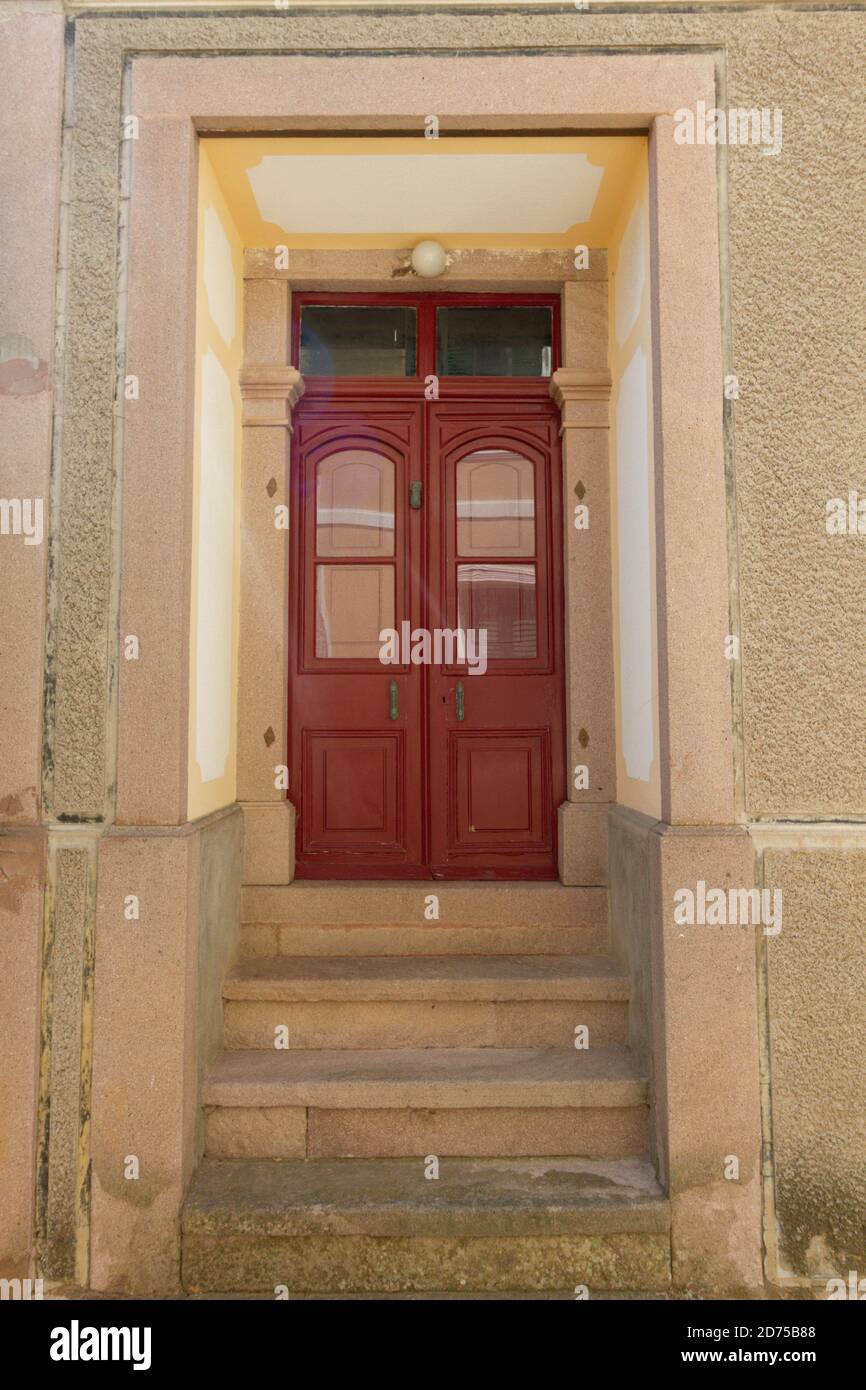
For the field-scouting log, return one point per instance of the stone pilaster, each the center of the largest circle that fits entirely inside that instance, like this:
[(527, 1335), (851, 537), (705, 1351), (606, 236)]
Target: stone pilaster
[(583, 398), (270, 390)]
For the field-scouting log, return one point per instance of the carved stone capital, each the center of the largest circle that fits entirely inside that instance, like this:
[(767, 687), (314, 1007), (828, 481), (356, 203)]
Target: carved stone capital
[(583, 398), (270, 394)]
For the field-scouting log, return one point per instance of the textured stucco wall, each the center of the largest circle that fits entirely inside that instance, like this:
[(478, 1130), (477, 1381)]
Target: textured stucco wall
[(816, 971), (794, 298)]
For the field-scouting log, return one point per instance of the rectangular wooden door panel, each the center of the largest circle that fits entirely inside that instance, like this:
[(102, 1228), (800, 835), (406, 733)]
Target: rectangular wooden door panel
[(500, 790), (356, 799)]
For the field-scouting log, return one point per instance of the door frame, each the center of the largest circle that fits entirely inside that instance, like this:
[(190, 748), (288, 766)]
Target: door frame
[(271, 389), (513, 395), (703, 998)]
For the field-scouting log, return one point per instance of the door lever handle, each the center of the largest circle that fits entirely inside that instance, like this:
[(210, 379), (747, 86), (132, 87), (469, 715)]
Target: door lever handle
[(459, 702), (393, 710)]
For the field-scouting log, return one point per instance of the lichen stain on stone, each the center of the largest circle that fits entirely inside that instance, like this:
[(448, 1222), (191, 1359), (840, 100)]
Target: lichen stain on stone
[(22, 371), (819, 1260), (131, 1251), (140, 1192), (18, 804), (821, 1231), (21, 870), (321, 1264)]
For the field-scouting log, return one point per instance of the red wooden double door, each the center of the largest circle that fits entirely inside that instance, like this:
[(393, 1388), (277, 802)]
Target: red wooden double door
[(426, 685)]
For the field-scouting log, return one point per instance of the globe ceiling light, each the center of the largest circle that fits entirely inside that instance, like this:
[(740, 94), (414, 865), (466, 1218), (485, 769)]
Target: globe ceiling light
[(429, 259)]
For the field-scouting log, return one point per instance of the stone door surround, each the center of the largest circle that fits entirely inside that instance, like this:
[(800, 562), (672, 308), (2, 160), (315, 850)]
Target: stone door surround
[(703, 1001)]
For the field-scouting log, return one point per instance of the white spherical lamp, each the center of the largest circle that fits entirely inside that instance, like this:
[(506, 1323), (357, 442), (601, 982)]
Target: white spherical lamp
[(429, 259)]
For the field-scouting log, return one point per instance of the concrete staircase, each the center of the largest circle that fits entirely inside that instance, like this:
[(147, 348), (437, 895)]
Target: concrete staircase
[(410, 1040)]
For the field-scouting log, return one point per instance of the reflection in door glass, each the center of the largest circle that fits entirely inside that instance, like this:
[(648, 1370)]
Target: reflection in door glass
[(494, 340), (357, 340), (500, 599), (495, 504), (353, 604), (355, 505)]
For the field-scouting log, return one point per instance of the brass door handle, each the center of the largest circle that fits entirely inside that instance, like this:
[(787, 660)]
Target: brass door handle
[(460, 702), (394, 709)]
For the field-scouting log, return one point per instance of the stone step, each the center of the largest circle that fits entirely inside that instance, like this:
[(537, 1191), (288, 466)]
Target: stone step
[(382, 1226), (404, 902), (314, 979), (274, 1131), (425, 1001), (425, 1078), (490, 1102), (269, 938), (340, 919)]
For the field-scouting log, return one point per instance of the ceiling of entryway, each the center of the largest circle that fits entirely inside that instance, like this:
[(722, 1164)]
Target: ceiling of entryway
[(480, 191)]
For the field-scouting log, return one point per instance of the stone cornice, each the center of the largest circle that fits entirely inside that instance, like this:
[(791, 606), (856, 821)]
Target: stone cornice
[(582, 397), (270, 394)]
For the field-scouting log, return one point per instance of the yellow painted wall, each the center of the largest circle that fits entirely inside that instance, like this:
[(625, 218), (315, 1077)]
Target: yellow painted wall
[(224, 162), (632, 506), (216, 502), (234, 158)]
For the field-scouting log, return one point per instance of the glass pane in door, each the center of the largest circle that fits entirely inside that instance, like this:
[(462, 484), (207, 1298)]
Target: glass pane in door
[(500, 340), (495, 504), (357, 340), (355, 505), (501, 600), (353, 604)]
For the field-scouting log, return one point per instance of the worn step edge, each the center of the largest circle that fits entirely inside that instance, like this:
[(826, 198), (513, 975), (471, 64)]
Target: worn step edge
[(402, 1265), (429, 1078), (392, 1197), (319, 979), (378, 904), (259, 939)]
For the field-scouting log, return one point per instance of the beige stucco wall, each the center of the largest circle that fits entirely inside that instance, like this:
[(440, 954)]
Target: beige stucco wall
[(815, 1038), (215, 561)]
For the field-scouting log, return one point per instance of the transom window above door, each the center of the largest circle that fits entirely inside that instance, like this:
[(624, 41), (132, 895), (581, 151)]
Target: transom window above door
[(357, 340), (455, 335)]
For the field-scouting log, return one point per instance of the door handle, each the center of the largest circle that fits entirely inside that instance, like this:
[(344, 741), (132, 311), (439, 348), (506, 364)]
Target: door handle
[(394, 709), (459, 702), (415, 491)]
